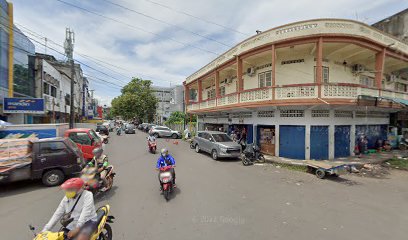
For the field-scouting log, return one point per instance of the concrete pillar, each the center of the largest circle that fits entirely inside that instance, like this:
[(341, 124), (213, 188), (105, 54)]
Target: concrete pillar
[(319, 64), (379, 68), (273, 71), (240, 80), (331, 140), (307, 141), (352, 138), (200, 90), (217, 84), (277, 140), (255, 133)]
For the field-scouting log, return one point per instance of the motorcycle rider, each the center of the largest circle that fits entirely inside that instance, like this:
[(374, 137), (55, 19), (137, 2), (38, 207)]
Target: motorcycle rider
[(100, 161), (164, 160), (150, 139), (79, 204)]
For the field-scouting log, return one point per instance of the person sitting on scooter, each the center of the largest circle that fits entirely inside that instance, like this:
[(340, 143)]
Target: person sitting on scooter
[(79, 205), (165, 160), (151, 138), (100, 161)]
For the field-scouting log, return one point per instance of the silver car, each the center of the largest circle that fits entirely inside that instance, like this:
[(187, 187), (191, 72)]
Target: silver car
[(162, 131), (218, 144)]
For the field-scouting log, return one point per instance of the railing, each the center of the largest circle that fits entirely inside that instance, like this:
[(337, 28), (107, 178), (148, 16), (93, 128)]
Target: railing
[(305, 91), (228, 99), (262, 94), (295, 92)]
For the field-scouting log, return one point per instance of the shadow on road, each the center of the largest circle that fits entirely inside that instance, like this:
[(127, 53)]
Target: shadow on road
[(21, 187), (175, 192), (343, 181), (106, 195)]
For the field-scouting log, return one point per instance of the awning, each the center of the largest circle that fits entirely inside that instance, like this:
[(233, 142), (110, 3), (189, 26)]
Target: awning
[(397, 100)]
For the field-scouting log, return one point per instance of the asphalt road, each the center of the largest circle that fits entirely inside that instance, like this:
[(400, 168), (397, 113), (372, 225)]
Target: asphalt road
[(222, 200)]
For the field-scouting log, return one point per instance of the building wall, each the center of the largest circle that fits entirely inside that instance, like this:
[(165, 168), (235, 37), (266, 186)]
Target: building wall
[(396, 25), (307, 120)]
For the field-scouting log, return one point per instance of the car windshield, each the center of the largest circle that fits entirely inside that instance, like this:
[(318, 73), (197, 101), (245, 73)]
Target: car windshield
[(220, 137), (94, 135)]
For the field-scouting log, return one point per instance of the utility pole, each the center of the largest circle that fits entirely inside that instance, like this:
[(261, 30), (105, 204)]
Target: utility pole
[(69, 51)]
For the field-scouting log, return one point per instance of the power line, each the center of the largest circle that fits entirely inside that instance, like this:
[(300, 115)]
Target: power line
[(167, 23), (199, 18), (137, 28), (93, 59)]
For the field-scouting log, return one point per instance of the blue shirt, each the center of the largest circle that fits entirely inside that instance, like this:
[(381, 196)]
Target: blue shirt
[(167, 161)]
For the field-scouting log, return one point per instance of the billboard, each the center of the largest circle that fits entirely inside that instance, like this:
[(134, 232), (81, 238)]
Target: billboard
[(23, 105)]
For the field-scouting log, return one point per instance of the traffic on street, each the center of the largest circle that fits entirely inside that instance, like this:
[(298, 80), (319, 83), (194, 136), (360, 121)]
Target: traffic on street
[(218, 200)]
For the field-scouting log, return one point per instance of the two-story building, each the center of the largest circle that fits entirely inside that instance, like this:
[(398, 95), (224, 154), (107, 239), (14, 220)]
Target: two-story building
[(305, 90)]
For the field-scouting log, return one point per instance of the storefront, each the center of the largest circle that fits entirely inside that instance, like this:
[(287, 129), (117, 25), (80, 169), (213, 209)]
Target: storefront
[(266, 139), (239, 129)]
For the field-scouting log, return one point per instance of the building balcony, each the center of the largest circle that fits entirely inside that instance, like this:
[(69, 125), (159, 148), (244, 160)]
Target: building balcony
[(306, 94)]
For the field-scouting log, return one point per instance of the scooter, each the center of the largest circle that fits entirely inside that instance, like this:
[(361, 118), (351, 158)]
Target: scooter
[(251, 155), (403, 144), (104, 230), (166, 181), (93, 183), (152, 147), (118, 131)]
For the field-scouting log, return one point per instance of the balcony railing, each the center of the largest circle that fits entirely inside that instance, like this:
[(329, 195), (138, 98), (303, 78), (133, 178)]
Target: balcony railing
[(304, 91)]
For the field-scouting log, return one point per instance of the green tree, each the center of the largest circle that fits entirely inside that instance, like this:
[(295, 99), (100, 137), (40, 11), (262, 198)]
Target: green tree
[(137, 100), (179, 117)]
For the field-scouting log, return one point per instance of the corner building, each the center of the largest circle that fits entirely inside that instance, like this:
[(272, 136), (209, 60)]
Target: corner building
[(305, 90)]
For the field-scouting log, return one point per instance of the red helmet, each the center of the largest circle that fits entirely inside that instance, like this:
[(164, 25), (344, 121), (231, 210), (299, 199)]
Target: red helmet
[(73, 183)]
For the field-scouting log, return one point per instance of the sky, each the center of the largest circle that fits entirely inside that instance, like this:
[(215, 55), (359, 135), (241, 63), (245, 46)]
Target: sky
[(167, 40)]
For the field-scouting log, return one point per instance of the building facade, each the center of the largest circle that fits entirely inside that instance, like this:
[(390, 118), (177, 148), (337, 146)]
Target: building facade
[(170, 99), (306, 90), (16, 64), (396, 25)]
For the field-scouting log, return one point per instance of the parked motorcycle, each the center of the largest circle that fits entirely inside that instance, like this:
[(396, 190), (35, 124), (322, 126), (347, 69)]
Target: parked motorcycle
[(252, 154), (166, 181), (152, 147), (118, 131), (403, 144), (104, 230), (93, 183)]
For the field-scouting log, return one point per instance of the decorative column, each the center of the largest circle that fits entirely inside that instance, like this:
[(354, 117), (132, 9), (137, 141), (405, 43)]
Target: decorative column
[(319, 65), (379, 68), (240, 80), (273, 71), (200, 91), (186, 94), (217, 86)]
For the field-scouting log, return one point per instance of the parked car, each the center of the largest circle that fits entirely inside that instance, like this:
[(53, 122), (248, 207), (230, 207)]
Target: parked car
[(50, 159), (102, 129), (141, 126), (218, 144), (161, 131), (130, 128), (86, 139)]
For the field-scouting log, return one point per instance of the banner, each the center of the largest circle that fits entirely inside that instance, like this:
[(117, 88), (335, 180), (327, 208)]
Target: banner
[(23, 105)]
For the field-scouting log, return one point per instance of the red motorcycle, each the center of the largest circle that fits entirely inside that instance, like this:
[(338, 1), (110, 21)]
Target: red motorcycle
[(152, 147), (166, 181)]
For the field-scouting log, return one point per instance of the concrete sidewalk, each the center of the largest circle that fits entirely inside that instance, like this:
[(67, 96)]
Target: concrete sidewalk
[(374, 158)]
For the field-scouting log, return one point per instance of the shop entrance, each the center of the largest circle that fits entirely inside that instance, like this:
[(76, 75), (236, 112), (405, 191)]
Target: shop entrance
[(266, 139)]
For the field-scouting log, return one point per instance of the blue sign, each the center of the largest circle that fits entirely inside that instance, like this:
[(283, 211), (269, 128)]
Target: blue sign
[(23, 105)]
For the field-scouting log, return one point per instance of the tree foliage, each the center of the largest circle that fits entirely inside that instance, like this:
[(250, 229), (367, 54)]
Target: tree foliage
[(179, 117), (137, 100)]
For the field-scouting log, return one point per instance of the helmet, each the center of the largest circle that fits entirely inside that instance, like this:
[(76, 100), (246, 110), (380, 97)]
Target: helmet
[(73, 183), (164, 152), (97, 152)]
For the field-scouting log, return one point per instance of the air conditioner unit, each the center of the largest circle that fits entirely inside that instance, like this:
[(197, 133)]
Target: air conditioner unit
[(357, 68), (251, 71)]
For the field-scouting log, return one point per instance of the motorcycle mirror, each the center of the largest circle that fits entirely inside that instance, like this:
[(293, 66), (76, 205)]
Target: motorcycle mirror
[(31, 227)]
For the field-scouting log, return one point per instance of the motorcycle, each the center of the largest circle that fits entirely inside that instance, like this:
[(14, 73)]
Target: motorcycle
[(251, 155), (104, 230), (166, 181), (152, 147), (119, 131), (104, 138), (403, 144), (93, 183)]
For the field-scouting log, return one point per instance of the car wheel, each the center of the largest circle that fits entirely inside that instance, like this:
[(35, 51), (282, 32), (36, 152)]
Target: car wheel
[(174, 136), (214, 154), (197, 148), (53, 178)]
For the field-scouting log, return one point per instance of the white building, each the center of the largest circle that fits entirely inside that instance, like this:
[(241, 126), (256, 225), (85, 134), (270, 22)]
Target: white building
[(170, 99), (305, 90)]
